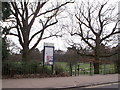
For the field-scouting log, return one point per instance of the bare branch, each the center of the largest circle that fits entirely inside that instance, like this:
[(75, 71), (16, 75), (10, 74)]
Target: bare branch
[(112, 33), (110, 55), (83, 54), (40, 38), (84, 39), (54, 8), (26, 9), (45, 25), (100, 21), (89, 21), (55, 35), (78, 18), (90, 38), (39, 6), (14, 5), (16, 16), (13, 34)]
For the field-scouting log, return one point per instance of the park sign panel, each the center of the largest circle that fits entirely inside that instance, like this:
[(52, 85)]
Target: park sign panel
[(48, 54)]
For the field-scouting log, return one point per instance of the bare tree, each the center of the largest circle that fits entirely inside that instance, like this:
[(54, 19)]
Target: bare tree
[(24, 15), (94, 21)]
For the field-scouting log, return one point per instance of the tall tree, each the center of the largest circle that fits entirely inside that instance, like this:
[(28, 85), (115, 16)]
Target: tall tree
[(25, 15), (94, 20)]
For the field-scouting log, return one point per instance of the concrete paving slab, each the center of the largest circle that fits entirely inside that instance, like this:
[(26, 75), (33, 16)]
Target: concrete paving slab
[(58, 82)]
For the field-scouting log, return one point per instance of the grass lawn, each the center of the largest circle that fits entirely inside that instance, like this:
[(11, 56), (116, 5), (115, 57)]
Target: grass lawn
[(85, 67)]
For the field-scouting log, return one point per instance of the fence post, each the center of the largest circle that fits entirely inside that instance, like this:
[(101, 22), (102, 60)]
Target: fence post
[(70, 69), (114, 68), (104, 69), (109, 69), (101, 68), (78, 70), (52, 68), (75, 69), (90, 68)]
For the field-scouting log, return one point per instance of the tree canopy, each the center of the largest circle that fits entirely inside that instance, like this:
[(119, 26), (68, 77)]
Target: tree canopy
[(92, 27), (24, 15)]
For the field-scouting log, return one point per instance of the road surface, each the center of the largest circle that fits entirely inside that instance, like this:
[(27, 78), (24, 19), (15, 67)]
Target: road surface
[(112, 86)]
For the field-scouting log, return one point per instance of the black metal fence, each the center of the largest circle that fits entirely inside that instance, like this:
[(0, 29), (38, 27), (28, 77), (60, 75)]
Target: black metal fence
[(36, 69)]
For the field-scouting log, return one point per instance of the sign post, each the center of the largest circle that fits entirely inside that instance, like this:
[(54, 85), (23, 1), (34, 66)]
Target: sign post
[(48, 58)]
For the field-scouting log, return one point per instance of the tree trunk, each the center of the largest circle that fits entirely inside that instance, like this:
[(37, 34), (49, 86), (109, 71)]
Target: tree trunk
[(97, 52), (96, 64), (26, 54), (96, 68)]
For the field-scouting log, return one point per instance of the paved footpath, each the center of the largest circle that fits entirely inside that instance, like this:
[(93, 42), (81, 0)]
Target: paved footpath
[(59, 82)]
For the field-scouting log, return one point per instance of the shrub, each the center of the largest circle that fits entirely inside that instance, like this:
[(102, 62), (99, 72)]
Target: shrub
[(59, 69), (8, 68), (24, 68)]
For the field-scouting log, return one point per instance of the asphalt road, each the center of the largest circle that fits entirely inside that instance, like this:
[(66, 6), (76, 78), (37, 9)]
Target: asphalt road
[(112, 86)]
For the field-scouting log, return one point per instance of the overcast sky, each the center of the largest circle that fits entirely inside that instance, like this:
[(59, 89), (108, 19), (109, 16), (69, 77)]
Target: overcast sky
[(59, 43)]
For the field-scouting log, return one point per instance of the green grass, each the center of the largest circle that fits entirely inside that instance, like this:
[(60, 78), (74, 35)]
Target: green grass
[(86, 66), (109, 68)]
